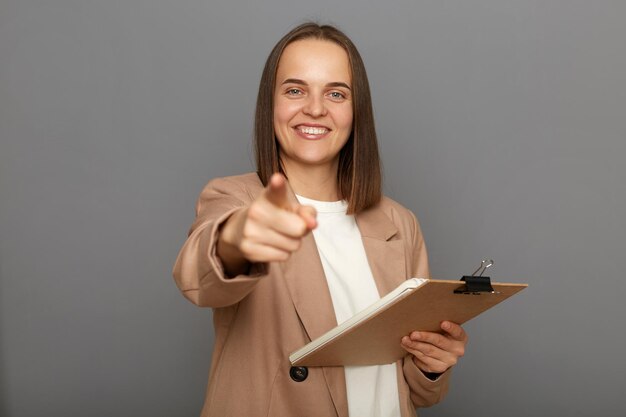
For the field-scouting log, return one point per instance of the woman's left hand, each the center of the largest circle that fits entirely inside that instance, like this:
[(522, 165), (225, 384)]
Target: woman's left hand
[(434, 352)]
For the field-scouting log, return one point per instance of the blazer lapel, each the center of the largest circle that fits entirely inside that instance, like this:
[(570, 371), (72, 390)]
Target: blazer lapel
[(306, 282), (384, 249), (305, 279)]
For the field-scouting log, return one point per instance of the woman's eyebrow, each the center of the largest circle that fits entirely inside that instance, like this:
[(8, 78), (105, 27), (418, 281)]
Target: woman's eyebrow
[(338, 84), (294, 81), (302, 82)]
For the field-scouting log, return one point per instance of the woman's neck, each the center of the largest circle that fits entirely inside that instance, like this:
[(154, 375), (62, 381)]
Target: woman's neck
[(314, 182)]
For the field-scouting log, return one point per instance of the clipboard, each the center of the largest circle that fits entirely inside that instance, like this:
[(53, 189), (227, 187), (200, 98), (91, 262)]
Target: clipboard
[(372, 337)]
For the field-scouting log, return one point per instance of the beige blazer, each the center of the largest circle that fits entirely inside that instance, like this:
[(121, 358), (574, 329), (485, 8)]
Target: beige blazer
[(261, 318)]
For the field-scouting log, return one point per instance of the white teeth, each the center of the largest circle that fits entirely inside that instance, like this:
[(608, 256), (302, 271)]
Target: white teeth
[(313, 130)]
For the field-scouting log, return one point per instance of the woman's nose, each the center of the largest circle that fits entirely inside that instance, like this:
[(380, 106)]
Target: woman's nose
[(315, 106)]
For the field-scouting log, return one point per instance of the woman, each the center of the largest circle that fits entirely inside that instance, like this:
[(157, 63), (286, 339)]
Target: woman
[(284, 254)]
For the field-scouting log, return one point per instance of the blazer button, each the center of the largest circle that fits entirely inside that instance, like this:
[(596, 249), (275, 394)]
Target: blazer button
[(298, 373)]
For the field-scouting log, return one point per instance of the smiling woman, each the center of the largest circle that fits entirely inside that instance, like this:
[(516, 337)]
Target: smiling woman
[(313, 113), (284, 254), (359, 174)]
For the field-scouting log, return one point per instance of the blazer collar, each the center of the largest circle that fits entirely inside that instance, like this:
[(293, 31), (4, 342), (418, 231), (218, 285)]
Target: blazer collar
[(374, 223), (384, 247)]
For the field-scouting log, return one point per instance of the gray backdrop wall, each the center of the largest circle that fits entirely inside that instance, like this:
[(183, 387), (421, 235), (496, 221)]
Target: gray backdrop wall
[(502, 126)]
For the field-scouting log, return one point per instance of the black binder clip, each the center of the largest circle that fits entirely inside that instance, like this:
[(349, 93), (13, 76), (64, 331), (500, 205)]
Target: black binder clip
[(476, 283)]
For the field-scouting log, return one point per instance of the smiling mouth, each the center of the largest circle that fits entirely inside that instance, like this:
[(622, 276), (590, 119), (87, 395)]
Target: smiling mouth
[(311, 130)]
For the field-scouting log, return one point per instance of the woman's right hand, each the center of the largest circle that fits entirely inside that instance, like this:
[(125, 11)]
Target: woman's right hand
[(268, 230)]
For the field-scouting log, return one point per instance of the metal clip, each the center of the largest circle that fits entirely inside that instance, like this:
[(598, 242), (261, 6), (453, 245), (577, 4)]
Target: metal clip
[(484, 264), (477, 284)]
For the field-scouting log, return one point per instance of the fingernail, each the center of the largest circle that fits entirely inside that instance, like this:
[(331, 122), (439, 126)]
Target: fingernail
[(415, 335), (445, 325)]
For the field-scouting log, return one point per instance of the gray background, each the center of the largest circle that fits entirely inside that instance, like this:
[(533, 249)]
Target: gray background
[(502, 125)]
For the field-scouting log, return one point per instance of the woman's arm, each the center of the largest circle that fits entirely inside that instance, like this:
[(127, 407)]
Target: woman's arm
[(198, 271), (234, 237)]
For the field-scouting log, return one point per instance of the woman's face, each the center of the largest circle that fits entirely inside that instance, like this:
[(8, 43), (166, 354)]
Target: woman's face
[(312, 104)]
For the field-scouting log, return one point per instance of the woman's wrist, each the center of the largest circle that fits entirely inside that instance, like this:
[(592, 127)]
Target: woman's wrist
[(227, 250)]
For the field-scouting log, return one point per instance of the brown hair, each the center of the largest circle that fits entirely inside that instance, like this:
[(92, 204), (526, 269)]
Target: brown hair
[(359, 174)]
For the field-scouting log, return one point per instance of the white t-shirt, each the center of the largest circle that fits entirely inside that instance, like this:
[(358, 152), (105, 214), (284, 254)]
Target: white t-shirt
[(372, 390)]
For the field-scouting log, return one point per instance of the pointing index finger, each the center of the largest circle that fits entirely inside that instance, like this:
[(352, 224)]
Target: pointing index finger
[(276, 191)]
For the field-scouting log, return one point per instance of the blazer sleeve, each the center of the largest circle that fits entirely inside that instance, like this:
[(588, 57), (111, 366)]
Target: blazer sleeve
[(198, 271), (424, 391)]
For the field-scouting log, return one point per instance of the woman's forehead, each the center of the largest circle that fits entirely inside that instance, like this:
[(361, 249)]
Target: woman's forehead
[(314, 60)]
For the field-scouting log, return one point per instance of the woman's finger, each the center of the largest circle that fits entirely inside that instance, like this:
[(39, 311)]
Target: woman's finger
[(255, 252), (430, 365), (270, 237), (454, 330), (425, 349), (433, 357), (444, 342), (266, 215), (432, 351), (276, 191), (309, 215)]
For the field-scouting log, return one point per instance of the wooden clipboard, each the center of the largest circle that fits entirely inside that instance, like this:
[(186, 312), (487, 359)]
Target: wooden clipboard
[(372, 337)]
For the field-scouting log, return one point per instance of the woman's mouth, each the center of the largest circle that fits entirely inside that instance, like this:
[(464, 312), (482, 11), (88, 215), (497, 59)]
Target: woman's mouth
[(311, 132)]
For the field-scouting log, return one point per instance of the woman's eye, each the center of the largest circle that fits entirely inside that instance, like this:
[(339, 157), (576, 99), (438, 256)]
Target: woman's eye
[(293, 92), (337, 95)]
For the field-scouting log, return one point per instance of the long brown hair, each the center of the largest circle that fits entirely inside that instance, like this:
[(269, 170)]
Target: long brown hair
[(359, 174)]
